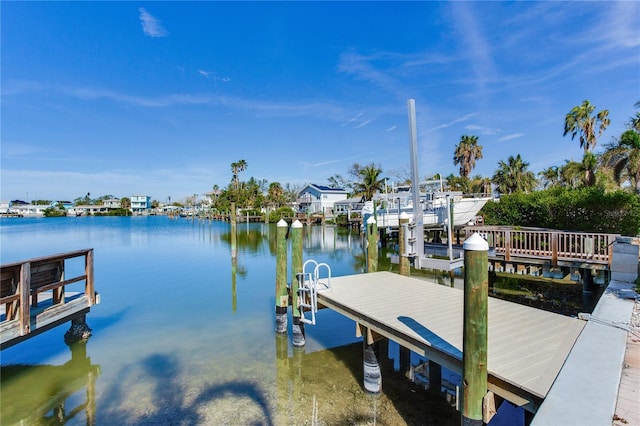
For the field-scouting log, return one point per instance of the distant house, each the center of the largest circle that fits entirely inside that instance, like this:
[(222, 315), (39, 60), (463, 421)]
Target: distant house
[(5, 207), (30, 210), (111, 203), (87, 210), (140, 203), (319, 198), (348, 206)]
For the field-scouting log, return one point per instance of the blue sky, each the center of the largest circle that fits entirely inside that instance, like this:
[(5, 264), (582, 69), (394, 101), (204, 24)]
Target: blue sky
[(128, 98)]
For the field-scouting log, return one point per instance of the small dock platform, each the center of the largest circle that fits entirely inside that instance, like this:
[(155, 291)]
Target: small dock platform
[(38, 294), (527, 347)]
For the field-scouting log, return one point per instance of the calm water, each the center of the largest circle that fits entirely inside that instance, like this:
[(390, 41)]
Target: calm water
[(182, 337)]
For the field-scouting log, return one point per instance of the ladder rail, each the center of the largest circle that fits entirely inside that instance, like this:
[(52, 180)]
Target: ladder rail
[(308, 289)]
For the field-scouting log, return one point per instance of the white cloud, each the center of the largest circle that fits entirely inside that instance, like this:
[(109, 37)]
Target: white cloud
[(364, 123), (482, 130), (392, 128), (451, 123), (510, 137), (151, 26), (212, 76)]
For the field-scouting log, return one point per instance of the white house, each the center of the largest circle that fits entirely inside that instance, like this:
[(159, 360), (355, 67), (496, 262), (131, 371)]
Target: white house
[(111, 203), (319, 198), (30, 210), (348, 206), (5, 207)]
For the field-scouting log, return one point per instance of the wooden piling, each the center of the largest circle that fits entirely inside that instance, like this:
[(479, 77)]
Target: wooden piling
[(372, 245), (296, 271), (402, 244), (282, 298), (474, 335), (234, 248)]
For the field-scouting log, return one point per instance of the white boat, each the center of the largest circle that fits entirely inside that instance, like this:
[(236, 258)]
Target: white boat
[(433, 202)]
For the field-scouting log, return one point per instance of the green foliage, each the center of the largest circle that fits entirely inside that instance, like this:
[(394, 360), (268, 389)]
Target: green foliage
[(115, 212), (54, 211), (280, 213), (584, 209)]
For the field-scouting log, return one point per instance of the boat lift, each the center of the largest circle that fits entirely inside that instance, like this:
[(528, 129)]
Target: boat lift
[(309, 284)]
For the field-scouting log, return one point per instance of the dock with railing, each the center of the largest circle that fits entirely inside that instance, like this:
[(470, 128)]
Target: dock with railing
[(39, 294), (558, 248)]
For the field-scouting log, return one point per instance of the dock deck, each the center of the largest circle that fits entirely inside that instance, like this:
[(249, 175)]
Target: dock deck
[(38, 294), (526, 346)]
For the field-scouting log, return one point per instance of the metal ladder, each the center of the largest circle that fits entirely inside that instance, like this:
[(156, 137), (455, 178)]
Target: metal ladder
[(309, 283)]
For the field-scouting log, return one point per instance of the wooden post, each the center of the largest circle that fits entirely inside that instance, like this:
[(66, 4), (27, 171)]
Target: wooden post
[(474, 334), (372, 245), (89, 289), (296, 278), (282, 298), (234, 248), (435, 378), (234, 293), (25, 290), (402, 243)]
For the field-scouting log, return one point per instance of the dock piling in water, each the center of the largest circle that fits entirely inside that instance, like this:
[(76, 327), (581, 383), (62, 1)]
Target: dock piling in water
[(372, 245), (282, 297), (475, 326), (402, 238), (297, 280)]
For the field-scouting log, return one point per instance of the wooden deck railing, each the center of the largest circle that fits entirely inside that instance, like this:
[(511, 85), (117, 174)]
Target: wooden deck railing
[(22, 282), (554, 245)]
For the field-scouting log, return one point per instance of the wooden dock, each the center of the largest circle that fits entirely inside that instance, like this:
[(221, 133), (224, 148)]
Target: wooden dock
[(526, 346), (34, 296), (590, 250)]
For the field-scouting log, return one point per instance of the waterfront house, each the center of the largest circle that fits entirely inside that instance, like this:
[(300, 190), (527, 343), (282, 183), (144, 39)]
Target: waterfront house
[(112, 203), (30, 210), (319, 198), (5, 207), (87, 210), (140, 203), (348, 206)]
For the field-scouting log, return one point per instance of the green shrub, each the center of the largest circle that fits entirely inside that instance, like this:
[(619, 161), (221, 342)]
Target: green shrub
[(586, 209), (280, 213)]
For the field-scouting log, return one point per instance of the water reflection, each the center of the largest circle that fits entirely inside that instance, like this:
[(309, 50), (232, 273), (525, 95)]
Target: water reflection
[(50, 394), (181, 340)]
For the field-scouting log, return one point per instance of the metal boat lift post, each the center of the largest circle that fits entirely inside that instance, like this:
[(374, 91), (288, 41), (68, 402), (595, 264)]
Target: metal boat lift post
[(418, 215), (415, 245)]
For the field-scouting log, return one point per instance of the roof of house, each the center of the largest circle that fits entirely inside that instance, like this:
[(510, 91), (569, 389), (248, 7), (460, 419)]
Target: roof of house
[(324, 188)]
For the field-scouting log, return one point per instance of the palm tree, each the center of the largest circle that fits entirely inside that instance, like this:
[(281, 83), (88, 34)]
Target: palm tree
[(236, 168), (466, 154), (371, 181), (622, 156), (571, 174), (550, 176), (513, 176), (634, 122), (276, 194), (580, 122)]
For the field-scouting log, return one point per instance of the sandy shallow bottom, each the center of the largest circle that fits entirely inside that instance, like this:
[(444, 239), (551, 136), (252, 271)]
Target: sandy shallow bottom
[(322, 388)]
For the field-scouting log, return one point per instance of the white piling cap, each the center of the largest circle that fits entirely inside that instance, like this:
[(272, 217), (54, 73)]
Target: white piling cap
[(475, 243), (296, 224), (371, 220), (282, 223), (404, 215)]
